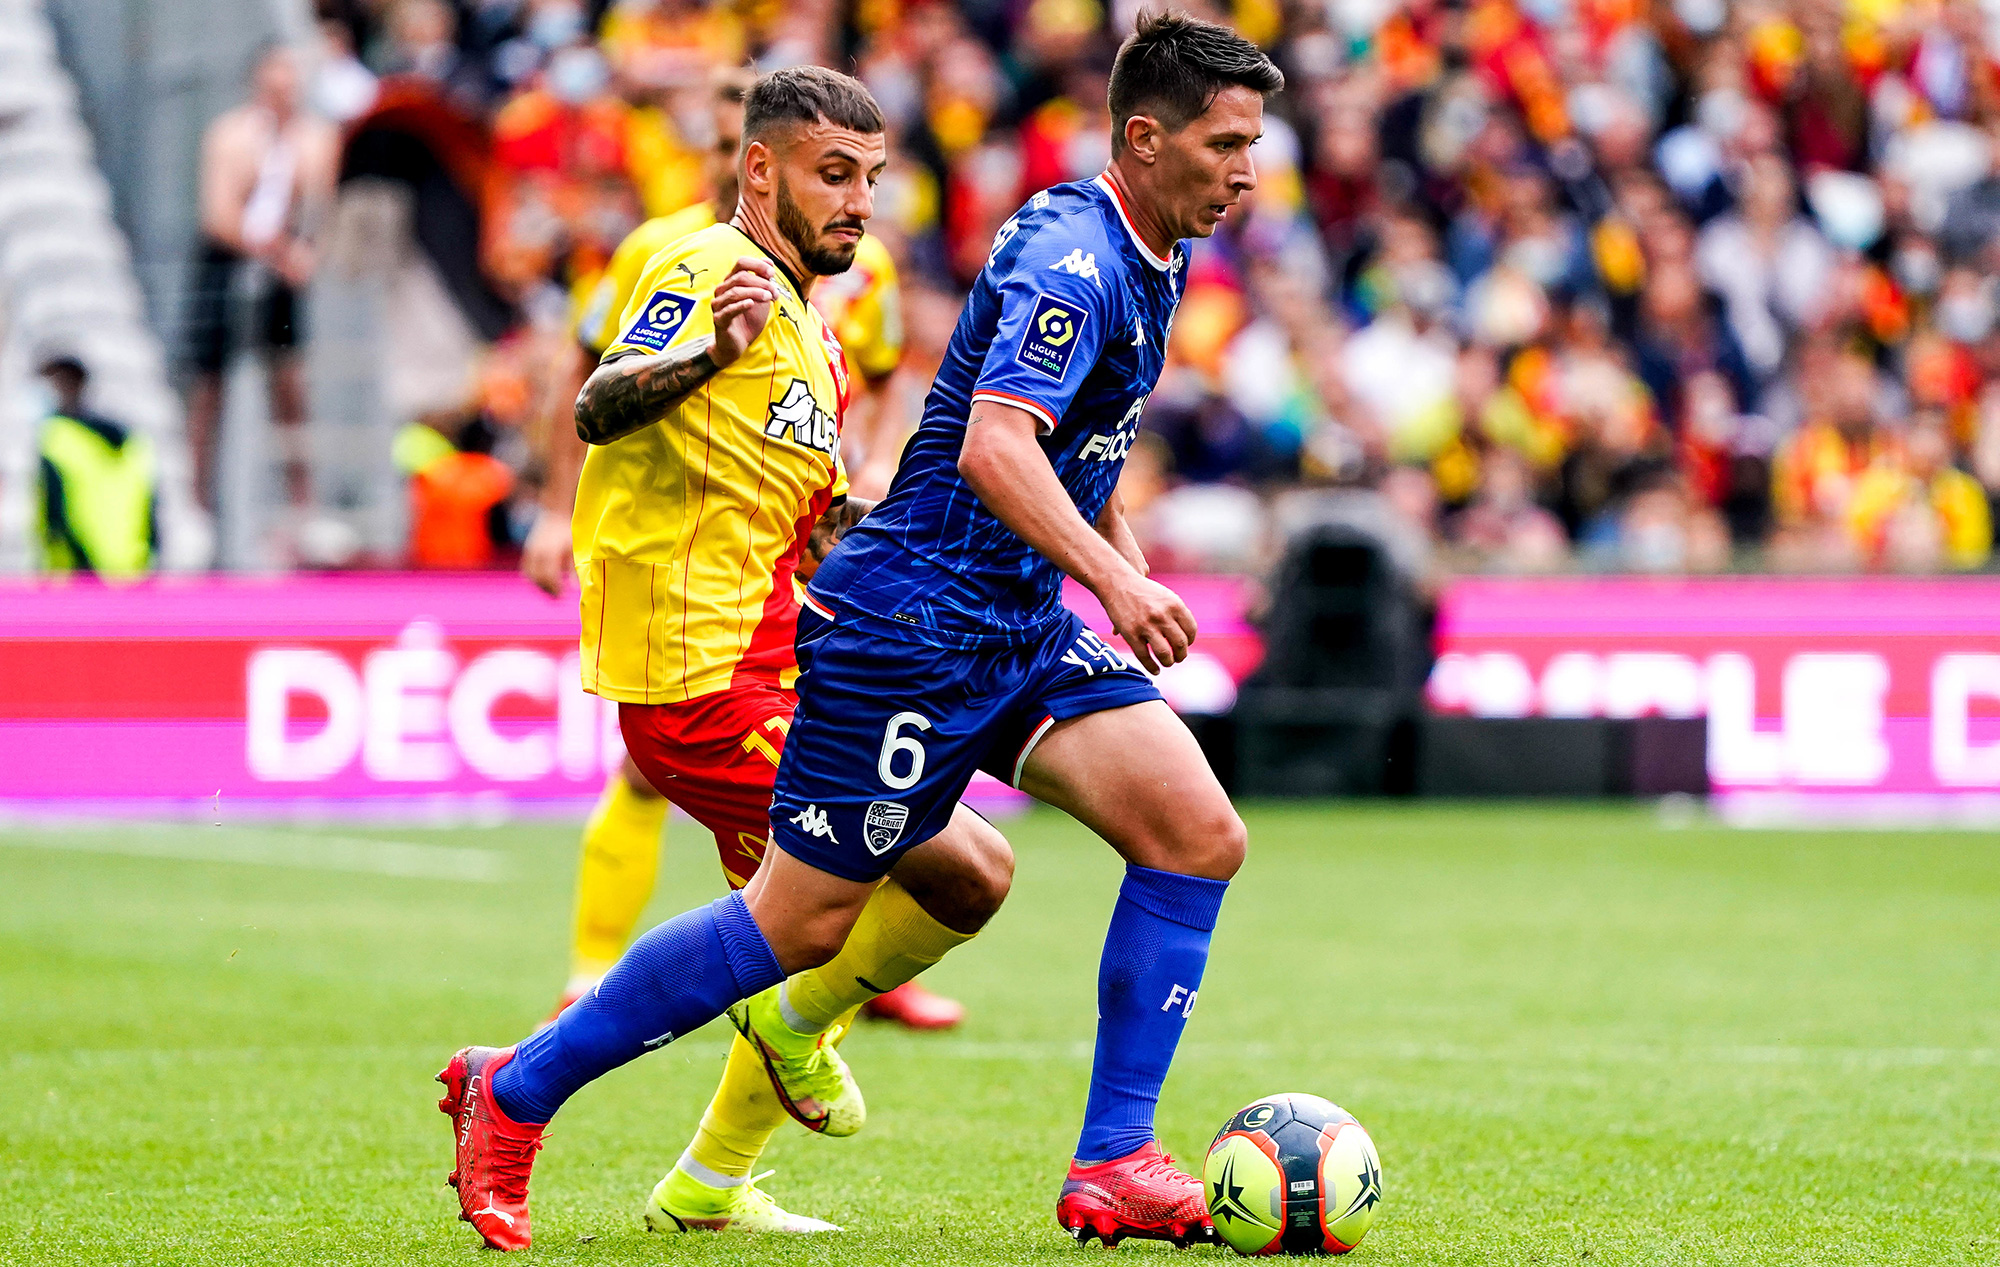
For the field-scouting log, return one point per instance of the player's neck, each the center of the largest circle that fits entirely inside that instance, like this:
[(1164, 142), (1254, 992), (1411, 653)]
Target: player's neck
[(1155, 235), (753, 222)]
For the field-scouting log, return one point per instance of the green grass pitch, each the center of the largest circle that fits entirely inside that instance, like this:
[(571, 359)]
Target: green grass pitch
[(1577, 1035)]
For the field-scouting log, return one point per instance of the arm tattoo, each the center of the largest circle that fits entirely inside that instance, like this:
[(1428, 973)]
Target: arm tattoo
[(833, 525), (632, 392)]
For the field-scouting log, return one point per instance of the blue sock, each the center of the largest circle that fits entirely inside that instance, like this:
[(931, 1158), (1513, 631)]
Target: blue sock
[(1154, 954), (674, 980)]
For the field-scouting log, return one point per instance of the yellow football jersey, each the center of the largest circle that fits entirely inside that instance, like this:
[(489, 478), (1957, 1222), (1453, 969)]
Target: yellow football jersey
[(863, 305), (688, 532)]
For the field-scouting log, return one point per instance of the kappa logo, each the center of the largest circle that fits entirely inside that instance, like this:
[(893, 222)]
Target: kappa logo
[(882, 826), (813, 819), (1083, 265), (799, 416), (659, 320), (1051, 337)]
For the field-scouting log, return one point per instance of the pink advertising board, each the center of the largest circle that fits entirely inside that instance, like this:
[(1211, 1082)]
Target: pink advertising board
[(1822, 686), (373, 694)]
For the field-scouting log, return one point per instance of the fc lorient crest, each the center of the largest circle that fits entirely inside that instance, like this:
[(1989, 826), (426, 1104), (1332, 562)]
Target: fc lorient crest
[(883, 825)]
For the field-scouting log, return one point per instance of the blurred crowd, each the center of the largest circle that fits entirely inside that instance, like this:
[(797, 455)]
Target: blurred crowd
[(1663, 285)]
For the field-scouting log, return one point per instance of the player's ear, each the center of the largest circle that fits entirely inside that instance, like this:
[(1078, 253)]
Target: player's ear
[(758, 167), (1142, 137)]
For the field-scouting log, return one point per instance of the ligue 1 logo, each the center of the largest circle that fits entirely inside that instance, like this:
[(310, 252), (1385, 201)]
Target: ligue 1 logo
[(1055, 327), (1050, 339), (664, 314), (659, 320)]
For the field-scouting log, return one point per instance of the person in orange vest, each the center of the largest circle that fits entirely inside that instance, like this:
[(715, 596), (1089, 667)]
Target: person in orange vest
[(458, 497)]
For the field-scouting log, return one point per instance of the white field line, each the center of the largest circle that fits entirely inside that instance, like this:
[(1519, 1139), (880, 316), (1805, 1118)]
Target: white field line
[(1843, 1058), (300, 850)]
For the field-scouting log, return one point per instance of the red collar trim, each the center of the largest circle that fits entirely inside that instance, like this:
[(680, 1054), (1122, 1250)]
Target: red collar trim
[(1118, 200)]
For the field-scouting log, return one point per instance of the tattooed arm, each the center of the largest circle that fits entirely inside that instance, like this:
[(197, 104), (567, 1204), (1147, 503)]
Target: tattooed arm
[(826, 534), (631, 392), (623, 395)]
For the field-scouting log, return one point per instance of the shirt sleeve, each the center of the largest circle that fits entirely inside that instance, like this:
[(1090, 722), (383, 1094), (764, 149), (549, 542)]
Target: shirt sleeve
[(670, 305), (1056, 310)]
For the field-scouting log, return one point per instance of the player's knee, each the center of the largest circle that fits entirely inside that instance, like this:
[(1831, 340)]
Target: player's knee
[(1210, 843), (989, 875), (963, 877)]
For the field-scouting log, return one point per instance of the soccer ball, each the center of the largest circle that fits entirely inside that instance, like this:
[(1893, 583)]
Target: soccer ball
[(1292, 1174)]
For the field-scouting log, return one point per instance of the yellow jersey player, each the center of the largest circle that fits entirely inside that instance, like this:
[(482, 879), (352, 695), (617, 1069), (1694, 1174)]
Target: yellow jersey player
[(621, 842), (712, 479)]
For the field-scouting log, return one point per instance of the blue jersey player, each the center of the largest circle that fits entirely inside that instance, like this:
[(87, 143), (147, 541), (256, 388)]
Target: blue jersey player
[(939, 645)]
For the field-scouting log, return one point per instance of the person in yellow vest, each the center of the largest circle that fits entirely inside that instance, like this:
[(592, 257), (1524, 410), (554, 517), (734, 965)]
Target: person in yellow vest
[(98, 510), (621, 840)]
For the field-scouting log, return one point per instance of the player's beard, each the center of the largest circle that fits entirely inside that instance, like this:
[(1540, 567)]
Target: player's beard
[(821, 260)]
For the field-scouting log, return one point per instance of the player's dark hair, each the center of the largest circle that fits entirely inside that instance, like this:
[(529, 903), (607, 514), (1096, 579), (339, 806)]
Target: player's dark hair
[(807, 94), (1172, 66)]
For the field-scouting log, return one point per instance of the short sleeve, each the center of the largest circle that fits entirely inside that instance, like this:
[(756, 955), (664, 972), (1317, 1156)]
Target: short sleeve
[(670, 304), (1056, 309)]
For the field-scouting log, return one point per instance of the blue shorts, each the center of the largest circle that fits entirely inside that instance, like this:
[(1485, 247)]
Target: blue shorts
[(889, 731)]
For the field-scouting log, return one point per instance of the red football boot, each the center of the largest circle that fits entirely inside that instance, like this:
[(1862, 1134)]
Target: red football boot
[(913, 1007), (1141, 1194), (495, 1153)]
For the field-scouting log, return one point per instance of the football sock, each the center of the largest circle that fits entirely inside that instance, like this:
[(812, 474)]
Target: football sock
[(892, 941), (1154, 953), (675, 979), (621, 859), (740, 1119)]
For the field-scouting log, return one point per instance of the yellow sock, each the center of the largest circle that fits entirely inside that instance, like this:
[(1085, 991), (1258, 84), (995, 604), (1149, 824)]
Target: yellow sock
[(621, 859), (893, 941)]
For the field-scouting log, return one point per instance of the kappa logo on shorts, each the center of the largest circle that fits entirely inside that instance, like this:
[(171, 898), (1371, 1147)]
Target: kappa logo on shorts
[(659, 321), (882, 825), (813, 819), (1051, 337)]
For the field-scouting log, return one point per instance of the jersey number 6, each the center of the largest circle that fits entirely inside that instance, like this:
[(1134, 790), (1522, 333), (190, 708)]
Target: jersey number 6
[(893, 743)]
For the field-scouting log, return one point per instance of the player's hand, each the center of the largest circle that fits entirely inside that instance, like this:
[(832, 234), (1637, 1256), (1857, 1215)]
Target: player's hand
[(1152, 620), (741, 307), (548, 556)]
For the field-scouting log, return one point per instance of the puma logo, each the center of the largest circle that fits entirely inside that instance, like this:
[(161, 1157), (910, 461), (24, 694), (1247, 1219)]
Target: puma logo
[(495, 1212)]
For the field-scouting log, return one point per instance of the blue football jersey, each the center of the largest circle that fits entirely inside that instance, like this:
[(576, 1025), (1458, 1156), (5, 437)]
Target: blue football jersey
[(1068, 321)]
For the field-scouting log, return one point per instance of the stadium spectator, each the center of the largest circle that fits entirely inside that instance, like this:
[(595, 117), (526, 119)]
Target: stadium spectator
[(267, 173), (1611, 267), (97, 506)]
